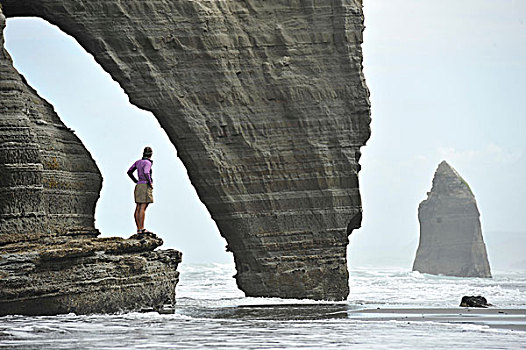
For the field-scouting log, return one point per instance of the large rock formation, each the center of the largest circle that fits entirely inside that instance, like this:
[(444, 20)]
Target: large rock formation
[(267, 105), (50, 259), (450, 233)]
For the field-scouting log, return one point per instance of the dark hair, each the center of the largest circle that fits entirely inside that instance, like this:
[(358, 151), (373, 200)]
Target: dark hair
[(147, 152)]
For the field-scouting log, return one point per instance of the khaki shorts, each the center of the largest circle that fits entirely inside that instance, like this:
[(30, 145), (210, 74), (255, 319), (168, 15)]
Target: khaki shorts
[(143, 193)]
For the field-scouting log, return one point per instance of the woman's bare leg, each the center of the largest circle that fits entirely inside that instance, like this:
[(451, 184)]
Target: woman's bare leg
[(136, 215), (142, 214)]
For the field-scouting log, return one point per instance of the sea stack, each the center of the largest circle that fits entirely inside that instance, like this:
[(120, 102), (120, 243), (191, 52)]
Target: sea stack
[(451, 240)]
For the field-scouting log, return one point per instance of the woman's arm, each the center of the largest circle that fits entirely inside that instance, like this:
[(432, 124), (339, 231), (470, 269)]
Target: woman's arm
[(130, 173)]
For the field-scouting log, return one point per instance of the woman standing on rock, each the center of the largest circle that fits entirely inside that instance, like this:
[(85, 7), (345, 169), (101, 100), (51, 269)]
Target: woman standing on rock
[(144, 187)]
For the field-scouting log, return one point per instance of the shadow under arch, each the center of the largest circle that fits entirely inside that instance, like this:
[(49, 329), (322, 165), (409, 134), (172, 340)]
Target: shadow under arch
[(88, 100)]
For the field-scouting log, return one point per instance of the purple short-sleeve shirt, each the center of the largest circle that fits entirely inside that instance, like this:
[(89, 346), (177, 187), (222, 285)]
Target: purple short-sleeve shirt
[(144, 171)]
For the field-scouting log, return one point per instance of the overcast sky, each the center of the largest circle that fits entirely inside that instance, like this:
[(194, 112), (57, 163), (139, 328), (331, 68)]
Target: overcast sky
[(447, 81)]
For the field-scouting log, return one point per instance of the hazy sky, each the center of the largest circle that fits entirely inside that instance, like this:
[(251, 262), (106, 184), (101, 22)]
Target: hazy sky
[(447, 81)]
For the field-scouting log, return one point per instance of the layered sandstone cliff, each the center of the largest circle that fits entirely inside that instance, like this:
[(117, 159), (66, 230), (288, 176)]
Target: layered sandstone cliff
[(50, 259), (451, 240), (268, 108), (48, 181)]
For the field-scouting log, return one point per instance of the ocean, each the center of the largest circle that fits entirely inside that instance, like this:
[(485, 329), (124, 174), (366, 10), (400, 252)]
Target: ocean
[(386, 309)]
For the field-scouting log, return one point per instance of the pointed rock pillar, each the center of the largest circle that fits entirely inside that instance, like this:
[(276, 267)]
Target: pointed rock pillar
[(451, 240)]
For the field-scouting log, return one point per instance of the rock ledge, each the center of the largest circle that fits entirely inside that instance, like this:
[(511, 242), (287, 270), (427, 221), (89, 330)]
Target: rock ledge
[(59, 275)]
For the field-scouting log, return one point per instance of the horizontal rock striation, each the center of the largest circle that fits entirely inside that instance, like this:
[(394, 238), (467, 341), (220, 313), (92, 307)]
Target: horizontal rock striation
[(268, 107), (48, 182), (50, 259), (451, 240)]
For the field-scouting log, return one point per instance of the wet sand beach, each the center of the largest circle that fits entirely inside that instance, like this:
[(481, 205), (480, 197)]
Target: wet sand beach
[(512, 319)]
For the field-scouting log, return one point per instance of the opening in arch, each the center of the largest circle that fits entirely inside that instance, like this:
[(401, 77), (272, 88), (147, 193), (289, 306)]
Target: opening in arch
[(114, 131)]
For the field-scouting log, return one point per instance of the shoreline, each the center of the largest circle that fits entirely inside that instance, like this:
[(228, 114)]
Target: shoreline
[(510, 319)]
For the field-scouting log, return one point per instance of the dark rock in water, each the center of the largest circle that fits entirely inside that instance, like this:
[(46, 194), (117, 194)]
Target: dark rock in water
[(267, 105), (474, 301), (451, 240), (51, 260)]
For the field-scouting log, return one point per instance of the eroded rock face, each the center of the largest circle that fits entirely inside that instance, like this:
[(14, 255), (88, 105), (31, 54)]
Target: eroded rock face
[(48, 182), (267, 105), (50, 259), (451, 240)]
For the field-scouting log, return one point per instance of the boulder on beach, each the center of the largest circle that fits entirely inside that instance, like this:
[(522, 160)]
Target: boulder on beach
[(474, 301)]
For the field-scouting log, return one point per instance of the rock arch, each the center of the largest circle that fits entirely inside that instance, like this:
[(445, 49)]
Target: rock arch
[(267, 105)]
